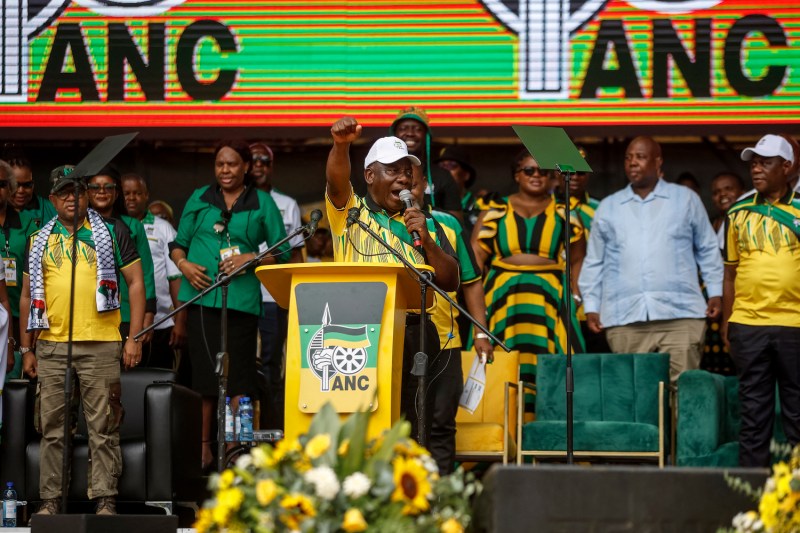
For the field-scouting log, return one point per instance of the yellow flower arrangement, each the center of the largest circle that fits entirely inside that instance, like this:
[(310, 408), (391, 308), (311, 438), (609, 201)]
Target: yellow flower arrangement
[(778, 502), (336, 479)]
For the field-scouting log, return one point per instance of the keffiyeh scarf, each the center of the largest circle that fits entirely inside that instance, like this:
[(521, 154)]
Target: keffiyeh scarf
[(107, 293)]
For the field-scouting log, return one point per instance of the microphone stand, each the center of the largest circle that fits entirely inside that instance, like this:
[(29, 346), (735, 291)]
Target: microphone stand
[(567, 171), (221, 369), (425, 280), (66, 452)]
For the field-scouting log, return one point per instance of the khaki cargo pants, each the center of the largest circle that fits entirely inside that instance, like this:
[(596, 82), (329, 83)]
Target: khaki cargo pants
[(97, 366)]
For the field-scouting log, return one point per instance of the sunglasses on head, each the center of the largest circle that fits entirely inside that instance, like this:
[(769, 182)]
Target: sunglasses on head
[(265, 159), (530, 171), (108, 187)]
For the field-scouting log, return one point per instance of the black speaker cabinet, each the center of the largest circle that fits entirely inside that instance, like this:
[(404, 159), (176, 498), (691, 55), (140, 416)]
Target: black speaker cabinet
[(606, 499), (89, 523)]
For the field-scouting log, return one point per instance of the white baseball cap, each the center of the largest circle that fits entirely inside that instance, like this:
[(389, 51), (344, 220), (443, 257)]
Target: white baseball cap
[(770, 146), (388, 150)]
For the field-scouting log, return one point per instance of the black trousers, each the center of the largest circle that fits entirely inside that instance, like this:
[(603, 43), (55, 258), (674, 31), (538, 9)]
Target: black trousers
[(764, 356), (445, 383), (272, 326)]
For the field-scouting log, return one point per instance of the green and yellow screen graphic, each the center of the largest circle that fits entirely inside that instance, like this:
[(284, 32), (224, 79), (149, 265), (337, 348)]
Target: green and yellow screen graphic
[(278, 63)]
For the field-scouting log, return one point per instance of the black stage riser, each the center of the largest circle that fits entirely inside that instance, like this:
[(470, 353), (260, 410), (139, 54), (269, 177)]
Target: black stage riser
[(89, 523), (606, 499)]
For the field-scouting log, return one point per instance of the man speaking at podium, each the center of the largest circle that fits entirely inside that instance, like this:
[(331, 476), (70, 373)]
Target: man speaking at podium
[(387, 171)]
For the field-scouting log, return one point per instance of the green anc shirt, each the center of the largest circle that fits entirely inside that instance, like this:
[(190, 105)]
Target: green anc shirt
[(16, 231), (255, 222), (443, 316), (38, 212), (139, 238)]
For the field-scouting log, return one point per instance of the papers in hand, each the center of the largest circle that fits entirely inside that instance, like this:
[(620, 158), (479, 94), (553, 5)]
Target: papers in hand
[(475, 385)]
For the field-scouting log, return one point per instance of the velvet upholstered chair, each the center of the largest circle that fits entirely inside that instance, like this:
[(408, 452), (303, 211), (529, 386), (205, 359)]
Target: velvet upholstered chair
[(709, 420), (489, 433), (619, 406), (159, 436)]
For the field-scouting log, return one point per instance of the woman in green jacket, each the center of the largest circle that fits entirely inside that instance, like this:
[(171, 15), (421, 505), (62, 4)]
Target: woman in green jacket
[(223, 226)]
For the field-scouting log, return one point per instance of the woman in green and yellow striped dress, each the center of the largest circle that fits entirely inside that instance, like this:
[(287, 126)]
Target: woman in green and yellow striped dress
[(519, 241)]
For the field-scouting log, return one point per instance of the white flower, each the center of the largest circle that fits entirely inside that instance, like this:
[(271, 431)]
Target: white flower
[(429, 464), (259, 457), (326, 484), (244, 461), (356, 485)]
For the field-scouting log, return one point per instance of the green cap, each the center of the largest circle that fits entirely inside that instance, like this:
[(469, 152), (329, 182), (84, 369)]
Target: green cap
[(413, 112)]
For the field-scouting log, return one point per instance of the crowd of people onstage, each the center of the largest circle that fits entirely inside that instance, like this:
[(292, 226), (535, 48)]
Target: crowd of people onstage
[(650, 271)]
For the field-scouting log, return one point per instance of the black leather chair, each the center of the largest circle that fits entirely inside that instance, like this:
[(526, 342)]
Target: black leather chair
[(160, 439)]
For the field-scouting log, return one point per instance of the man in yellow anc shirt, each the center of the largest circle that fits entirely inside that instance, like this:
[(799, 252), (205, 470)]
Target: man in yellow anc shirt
[(387, 171), (761, 298), (104, 252)]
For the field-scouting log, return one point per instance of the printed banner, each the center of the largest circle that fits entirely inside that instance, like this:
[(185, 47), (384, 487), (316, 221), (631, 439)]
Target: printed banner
[(259, 63), (339, 328)]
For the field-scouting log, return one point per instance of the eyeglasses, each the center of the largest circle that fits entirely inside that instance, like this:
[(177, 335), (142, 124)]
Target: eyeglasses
[(263, 159), (221, 225), (3, 184), (393, 171), (530, 171), (96, 187), (25, 185), (72, 191)]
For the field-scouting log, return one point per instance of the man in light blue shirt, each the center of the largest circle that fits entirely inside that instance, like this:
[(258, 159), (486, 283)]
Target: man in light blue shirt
[(639, 279)]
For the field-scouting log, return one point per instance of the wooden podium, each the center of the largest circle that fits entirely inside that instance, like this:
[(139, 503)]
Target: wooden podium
[(345, 339)]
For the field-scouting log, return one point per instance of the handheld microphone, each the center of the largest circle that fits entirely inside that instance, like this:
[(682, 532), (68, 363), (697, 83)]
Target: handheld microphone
[(316, 216), (352, 216), (408, 200)]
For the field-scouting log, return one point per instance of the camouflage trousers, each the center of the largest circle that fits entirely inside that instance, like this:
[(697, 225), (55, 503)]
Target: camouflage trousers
[(97, 369)]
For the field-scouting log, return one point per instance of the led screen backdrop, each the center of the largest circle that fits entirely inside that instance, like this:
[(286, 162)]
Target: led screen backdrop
[(204, 63)]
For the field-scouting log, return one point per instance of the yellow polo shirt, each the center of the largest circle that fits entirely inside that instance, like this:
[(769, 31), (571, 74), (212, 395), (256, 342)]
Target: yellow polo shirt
[(88, 323), (767, 258)]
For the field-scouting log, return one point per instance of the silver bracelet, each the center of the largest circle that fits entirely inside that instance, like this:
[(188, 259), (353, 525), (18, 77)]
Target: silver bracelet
[(481, 336)]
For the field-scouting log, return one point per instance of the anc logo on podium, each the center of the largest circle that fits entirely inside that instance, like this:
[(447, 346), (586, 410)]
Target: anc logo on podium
[(337, 350), (339, 329)]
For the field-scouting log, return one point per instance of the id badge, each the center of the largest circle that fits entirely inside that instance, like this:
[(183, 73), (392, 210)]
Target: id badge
[(11, 271), (229, 252)]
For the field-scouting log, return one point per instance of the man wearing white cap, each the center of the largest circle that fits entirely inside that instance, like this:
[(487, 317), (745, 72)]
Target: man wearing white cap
[(387, 171), (761, 296)]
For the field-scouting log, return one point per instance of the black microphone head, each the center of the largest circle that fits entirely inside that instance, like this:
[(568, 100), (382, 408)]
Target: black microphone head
[(311, 227), (407, 198), (352, 216)]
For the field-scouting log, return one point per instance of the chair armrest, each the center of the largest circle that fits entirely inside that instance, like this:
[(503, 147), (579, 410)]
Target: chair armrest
[(18, 399), (173, 428), (700, 406), (506, 415)]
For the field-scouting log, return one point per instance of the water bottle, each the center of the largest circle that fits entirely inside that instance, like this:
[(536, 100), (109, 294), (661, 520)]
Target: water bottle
[(237, 422), (10, 505), (228, 420), (246, 417)]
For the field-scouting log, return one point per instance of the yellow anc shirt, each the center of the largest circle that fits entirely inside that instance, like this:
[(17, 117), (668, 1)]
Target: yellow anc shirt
[(767, 258), (354, 245), (88, 323)]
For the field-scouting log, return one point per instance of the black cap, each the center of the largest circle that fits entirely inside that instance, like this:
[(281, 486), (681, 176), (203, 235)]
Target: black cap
[(460, 155), (62, 177)]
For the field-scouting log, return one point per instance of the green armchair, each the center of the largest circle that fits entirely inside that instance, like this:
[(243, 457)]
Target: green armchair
[(709, 420), (619, 407)]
